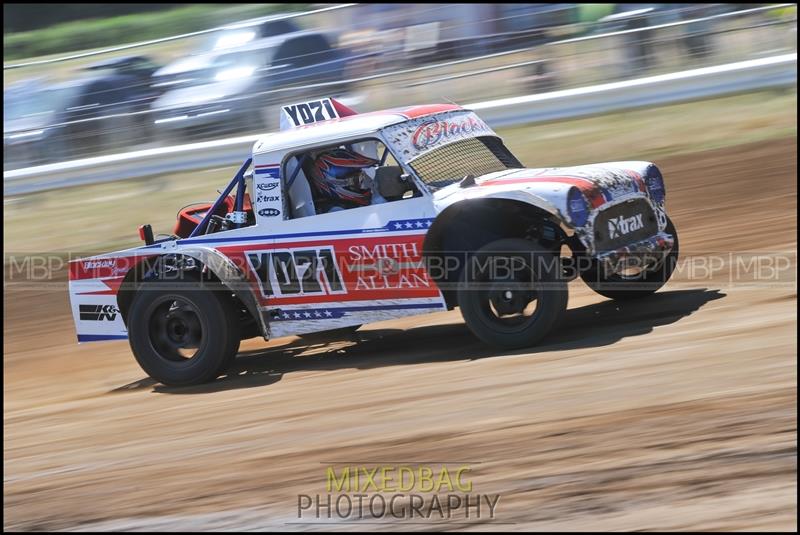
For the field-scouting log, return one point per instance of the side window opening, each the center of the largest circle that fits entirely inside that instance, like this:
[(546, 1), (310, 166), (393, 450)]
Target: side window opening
[(345, 176), (303, 51), (299, 196), (278, 27)]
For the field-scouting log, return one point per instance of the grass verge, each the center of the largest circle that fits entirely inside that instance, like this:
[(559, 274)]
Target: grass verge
[(96, 33)]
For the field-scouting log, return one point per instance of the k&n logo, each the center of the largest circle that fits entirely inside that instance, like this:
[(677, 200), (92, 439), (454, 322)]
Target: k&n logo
[(98, 312), (289, 272)]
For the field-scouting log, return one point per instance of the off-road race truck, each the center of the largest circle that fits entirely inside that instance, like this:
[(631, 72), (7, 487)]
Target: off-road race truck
[(455, 221)]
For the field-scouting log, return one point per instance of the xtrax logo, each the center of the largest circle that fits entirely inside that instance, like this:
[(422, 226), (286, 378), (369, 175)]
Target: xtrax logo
[(98, 312), (620, 226), (288, 272), (269, 212), (267, 198), (267, 186)]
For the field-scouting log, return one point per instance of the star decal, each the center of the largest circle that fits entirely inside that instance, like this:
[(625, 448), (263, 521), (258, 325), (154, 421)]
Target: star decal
[(418, 224), (409, 225), (328, 313), (398, 226), (317, 314), (307, 314)]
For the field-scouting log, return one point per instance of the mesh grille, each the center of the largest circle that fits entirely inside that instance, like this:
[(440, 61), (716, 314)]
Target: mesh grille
[(473, 156)]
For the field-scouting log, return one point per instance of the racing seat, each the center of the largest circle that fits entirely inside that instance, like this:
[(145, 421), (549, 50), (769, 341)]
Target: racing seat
[(301, 199), (390, 184)]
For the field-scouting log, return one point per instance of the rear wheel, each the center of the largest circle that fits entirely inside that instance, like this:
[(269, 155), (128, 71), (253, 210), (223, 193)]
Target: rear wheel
[(634, 282), (183, 336), (511, 293)]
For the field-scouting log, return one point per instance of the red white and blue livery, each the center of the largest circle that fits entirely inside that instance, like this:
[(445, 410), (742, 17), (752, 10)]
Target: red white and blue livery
[(344, 218)]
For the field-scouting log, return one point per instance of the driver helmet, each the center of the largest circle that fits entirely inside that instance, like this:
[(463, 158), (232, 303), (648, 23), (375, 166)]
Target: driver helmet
[(339, 175)]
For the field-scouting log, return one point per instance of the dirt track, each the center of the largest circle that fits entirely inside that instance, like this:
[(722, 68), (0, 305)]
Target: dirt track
[(675, 412)]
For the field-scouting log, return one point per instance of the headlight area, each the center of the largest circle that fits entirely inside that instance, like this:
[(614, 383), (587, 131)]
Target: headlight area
[(577, 207), (655, 184)]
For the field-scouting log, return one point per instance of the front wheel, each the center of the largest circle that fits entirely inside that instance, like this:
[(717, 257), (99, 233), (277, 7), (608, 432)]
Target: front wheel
[(511, 293), (633, 283), (183, 336)]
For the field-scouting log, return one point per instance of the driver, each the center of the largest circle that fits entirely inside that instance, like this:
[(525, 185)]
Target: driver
[(343, 178)]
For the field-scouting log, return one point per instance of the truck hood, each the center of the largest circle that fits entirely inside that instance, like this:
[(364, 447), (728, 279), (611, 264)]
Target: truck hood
[(185, 65), (549, 187), (202, 94), (29, 122)]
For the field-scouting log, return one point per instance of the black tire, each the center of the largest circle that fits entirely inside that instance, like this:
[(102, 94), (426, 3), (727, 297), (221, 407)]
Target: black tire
[(331, 334), (646, 282), (494, 300), (163, 320)]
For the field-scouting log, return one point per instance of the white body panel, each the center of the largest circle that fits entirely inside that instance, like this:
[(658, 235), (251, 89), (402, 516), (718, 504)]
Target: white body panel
[(376, 249)]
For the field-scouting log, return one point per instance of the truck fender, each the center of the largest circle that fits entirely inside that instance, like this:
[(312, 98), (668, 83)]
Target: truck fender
[(231, 276)]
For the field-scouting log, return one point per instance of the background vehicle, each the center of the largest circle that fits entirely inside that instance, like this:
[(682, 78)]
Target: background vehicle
[(229, 90), (57, 121), (28, 110), (224, 39)]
